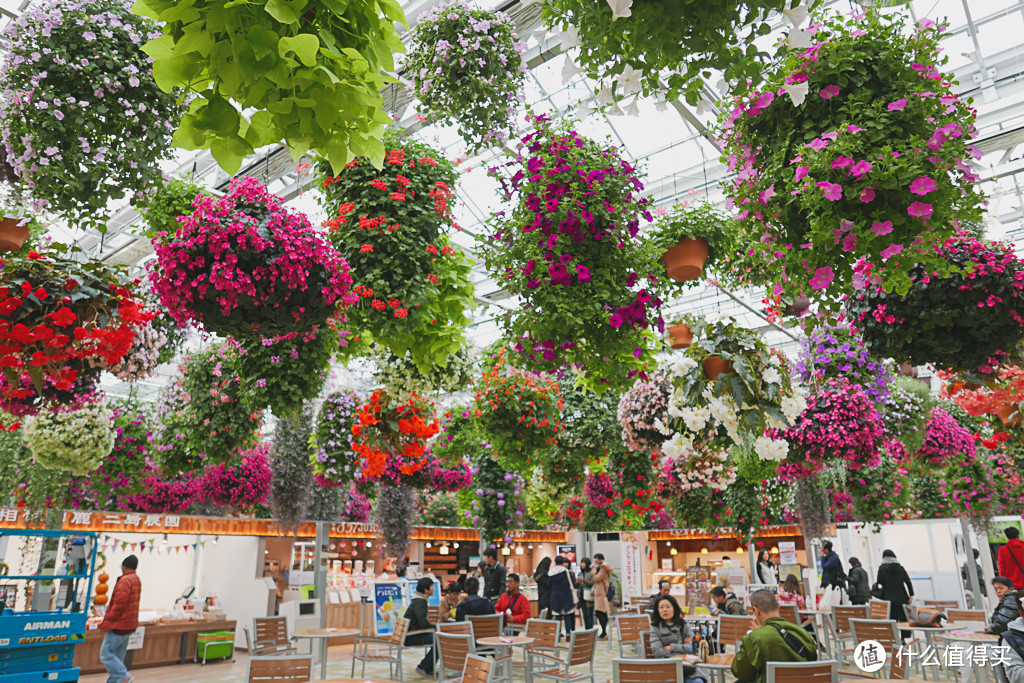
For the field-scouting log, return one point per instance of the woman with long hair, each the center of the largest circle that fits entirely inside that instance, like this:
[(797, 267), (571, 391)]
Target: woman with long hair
[(543, 587), (790, 592), (671, 636), (766, 569), (586, 592)]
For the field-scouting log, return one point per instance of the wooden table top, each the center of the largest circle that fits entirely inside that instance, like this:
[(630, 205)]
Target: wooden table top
[(970, 637), (907, 626), (505, 640), (354, 680), (718, 660), (325, 633)]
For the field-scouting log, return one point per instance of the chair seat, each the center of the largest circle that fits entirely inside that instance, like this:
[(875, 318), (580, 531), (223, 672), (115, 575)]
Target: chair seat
[(560, 673), (377, 657)]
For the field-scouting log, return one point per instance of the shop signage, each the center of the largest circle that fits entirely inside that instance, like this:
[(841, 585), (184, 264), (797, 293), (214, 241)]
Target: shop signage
[(630, 564), (787, 552), (683, 534), (388, 605)]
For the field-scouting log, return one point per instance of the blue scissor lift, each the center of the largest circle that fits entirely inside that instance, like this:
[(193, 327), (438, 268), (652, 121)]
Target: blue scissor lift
[(37, 642)]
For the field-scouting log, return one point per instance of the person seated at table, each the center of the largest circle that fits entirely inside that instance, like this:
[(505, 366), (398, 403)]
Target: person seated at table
[(671, 636), (513, 604), (417, 613), (773, 640), (1013, 636), (664, 588), (474, 603), (1006, 610), (790, 592), (450, 601), (727, 603)]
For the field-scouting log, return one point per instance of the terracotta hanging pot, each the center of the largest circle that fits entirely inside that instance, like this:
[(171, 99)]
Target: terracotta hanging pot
[(12, 235), (680, 335), (1005, 411), (715, 366), (798, 306), (685, 261)]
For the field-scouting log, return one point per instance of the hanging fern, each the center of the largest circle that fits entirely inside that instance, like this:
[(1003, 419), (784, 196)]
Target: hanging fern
[(292, 476)]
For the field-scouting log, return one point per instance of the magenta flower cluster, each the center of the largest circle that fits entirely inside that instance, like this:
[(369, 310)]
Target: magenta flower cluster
[(244, 263), (243, 485), (166, 495), (449, 476), (945, 440), (840, 423), (599, 490)]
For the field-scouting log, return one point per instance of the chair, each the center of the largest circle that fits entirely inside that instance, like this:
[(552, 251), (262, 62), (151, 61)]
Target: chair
[(486, 626), (271, 637), (731, 630), (630, 628), (824, 671), (545, 634), (388, 649), (942, 604), (841, 631), (790, 613), (582, 646), (460, 627), (280, 669), (878, 609), (885, 632), (645, 671), (452, 650), (433, 613), (962, 616), (648, 648), (477, 670)]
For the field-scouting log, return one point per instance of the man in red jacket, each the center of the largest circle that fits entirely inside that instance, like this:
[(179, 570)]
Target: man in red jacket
[(512, 603), (1011, 557), (120, 621)]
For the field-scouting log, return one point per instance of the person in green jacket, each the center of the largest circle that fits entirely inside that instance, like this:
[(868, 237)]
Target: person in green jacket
[(773, 640)]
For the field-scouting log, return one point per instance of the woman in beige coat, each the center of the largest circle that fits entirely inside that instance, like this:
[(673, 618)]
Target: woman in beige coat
[(602, 580)]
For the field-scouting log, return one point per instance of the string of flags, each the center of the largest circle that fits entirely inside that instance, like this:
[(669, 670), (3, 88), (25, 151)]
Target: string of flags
[(158, 545)]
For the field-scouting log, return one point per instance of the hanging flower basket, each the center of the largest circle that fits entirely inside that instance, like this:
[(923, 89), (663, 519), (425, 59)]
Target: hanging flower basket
[(392, 436), (715, 366), (685, 261), (335, 464), (73, 441), (680, 336), (244, 265), (12, 234)]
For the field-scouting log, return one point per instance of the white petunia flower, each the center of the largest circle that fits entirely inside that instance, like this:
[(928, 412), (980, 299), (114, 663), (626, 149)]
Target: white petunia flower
[(629, 81), (772, 376), (792, 406), (660, 426), (797, 92), (569, 69), (620, 8), (799, 39), (796, 16)]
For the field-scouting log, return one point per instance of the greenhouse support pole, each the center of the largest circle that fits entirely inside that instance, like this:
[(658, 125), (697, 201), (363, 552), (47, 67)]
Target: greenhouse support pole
[(972, 566)]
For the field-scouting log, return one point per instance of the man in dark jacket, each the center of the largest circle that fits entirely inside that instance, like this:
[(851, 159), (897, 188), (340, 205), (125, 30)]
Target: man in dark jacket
[(417, 613), (664, 588), (832, 574), (981, 575), (1006, 610), (473, 604), (860, 580), (494, 576), (120, 621), (773, 640), (727, 603)]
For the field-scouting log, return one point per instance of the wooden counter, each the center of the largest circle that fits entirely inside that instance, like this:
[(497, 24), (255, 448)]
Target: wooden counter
[(163, 645)]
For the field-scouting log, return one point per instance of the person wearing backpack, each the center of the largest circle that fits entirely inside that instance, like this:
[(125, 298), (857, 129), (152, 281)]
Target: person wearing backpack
[(859, 589), (602, 593), (833, 578), (773, 640)]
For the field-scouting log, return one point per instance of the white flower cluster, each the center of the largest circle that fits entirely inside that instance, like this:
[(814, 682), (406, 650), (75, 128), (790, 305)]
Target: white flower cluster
[(73, 441), (141, 360), (771, 449), (706, 471)]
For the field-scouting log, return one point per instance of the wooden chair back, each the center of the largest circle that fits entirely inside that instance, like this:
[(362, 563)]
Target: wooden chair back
[(825, 671), (790, 613), (960, 616), (270, 632), (942, 604), (398, 635), (841, 615), (433, 613), (632, 625), (582, 646), (648, 651), (646, 671), (545, 633), (878, 609), (731, 630), (286, 669), (897, 667), (454, 648), (750, 610), (884, 631), (461, 627), (485, 625), (478, 670)]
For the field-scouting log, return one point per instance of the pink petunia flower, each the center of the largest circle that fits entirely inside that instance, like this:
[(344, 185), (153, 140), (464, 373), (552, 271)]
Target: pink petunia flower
[(833, 191), (829, 91), (920, 210), (923, 185), (882, 228), (822, 278), (898, 105)]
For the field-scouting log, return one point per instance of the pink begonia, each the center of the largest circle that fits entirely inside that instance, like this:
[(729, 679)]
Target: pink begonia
[(822, 278), (833, 192), (801, 172), (867, 195), (860, 168), (898, 105), (920, 210), (829, 91), (923, 185), (882, 228), (891, 251)]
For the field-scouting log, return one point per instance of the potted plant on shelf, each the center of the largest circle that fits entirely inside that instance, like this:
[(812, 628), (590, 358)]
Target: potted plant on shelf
[(392, 227), (466, 66), (971, 320), (856, 148), (100, 126), (693, 237), (571, 248)]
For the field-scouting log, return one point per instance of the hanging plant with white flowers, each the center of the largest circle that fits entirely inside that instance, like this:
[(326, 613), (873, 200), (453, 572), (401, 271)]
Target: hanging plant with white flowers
[(75, 441), (466, 67), (728, 389), (704, 468)]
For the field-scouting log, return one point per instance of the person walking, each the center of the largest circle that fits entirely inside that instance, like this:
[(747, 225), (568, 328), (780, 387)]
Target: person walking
[(602, 584), (586, 592), (833, 578), (766, 569), (895, 586), (120, 621), (494, 576), (540, 576), (965, 575), (1011, 557), (860, 580), (563, 594)]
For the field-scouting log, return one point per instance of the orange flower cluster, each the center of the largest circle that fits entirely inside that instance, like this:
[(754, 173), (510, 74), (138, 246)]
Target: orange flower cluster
[(387, 435)]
